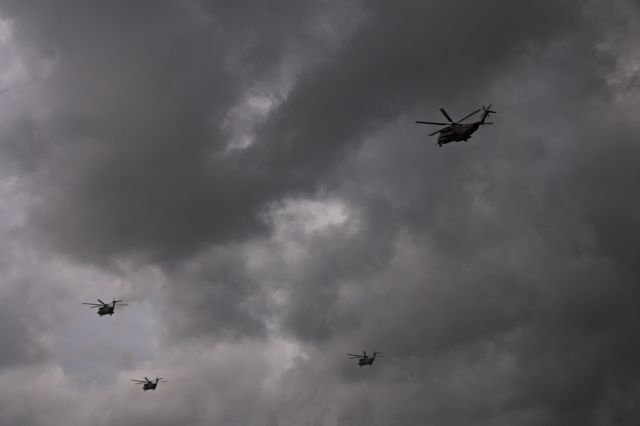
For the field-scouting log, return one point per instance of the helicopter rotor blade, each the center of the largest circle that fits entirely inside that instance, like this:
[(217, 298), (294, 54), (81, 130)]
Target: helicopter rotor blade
[(442, 110), (432, 122), (147, 379), (91, 304), (138, 381), (467, 116), (102, 302), (488, 109)]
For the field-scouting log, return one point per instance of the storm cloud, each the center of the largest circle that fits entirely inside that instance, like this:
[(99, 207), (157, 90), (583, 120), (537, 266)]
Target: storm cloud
[(250, 178)]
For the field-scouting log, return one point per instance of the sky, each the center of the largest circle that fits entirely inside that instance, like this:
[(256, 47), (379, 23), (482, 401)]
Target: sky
[(249, 177)]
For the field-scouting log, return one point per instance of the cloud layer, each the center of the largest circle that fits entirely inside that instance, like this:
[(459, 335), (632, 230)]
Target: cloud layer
[(250, 179)]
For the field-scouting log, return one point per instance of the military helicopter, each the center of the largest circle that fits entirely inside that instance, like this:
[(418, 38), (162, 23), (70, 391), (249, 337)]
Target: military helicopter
[(105, 308), (149, 384), (455, 131), (365, 359)]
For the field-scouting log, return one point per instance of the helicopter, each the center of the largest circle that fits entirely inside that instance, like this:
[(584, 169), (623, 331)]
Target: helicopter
[(149, 384), (454, 130), (365, 359), (105, 308)]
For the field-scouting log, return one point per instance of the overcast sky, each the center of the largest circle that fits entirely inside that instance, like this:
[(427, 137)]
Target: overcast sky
[(249, 177)]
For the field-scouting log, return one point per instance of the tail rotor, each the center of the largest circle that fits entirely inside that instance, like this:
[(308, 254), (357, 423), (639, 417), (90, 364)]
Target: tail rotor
[(486, 111)]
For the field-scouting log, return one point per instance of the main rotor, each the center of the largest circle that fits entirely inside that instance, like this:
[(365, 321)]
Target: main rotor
[(101, 304), (364, 355), (149, 381), (451, 122)]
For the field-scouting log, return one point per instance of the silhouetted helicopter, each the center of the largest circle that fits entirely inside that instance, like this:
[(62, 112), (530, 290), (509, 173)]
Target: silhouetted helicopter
[(365, 359), (149, 384), (456, 132), (105, 308)]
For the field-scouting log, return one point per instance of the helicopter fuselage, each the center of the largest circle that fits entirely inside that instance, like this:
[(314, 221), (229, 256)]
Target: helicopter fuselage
[(149, 386), (106, 310), (457, 132), (365, 361)]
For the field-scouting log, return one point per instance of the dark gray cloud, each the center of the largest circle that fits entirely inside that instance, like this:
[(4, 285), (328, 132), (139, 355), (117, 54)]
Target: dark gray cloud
[(498, 276), (138, 99), (213, 295), (146, 95), (24, 346)]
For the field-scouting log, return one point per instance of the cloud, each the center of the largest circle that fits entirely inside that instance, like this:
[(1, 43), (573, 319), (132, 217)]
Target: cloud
[(250, 178)]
